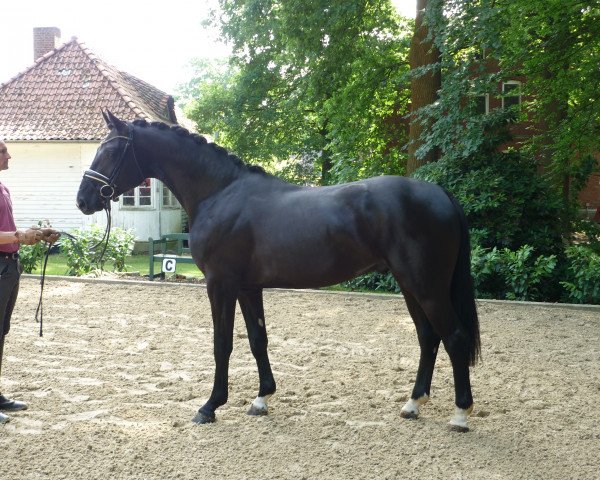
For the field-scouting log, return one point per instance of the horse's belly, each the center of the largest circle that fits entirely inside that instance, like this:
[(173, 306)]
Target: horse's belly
[(312, 268)]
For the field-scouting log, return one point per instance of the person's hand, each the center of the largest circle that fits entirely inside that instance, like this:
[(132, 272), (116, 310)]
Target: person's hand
[(50, 235), (30, 236)]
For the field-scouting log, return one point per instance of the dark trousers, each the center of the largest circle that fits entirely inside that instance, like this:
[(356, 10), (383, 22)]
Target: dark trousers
[(10, 272)]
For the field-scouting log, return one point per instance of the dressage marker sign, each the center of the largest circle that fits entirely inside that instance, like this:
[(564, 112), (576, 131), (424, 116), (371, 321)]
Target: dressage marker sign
[(169, 265)]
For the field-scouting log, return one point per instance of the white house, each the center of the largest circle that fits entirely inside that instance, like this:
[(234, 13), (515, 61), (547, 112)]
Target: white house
[(50, 118)]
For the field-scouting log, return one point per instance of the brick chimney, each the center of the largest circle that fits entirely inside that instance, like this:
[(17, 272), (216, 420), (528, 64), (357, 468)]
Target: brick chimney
[(45, 39)]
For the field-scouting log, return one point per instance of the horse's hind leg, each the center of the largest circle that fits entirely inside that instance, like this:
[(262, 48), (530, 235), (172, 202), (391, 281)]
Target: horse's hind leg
[(251, 303), (445, 322), (429, 342), (456, 344)]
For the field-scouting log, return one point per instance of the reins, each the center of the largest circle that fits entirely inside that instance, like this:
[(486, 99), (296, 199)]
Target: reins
[(39, 312)]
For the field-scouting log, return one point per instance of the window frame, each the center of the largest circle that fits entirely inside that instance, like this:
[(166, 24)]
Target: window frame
[(486, 99), (517, 84), (173, 204), (136, 196)]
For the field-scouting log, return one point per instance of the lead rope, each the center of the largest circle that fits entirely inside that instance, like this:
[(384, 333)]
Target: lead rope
[(39, 313)]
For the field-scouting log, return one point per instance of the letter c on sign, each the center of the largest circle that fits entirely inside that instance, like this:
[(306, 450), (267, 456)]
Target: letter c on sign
[(168, 265)]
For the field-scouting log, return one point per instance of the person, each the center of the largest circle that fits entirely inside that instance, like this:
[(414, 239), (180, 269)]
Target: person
[(10, 270)]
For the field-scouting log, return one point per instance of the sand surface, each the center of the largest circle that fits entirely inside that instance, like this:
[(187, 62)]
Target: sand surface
[(122, 368)]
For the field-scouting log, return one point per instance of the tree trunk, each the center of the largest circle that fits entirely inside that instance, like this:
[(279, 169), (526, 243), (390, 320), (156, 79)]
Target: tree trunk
[(424, 88)]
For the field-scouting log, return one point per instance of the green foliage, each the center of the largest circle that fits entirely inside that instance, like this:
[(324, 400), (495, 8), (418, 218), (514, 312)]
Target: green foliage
[(83, 254), (554, 48), (30, 256), (507, 203), (510, 275), (582, 284), (374, 281), (320, 81)]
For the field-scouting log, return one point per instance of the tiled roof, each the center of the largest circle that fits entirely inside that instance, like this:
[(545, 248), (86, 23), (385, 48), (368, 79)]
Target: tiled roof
[(61, 95)]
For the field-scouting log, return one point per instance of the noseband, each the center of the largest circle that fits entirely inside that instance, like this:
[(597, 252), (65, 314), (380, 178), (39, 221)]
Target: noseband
[(108, 188)]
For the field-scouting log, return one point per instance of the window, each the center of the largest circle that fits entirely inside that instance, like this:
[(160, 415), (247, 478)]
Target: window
[(511, 94), (168, 199), (138, 197), (482, 104)]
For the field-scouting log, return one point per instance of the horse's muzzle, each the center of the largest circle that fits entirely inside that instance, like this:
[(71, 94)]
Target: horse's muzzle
[(89, 200)]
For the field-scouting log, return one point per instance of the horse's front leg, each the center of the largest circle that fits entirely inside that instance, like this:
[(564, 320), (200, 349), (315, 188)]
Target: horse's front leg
[(222, 303), (251, 303)]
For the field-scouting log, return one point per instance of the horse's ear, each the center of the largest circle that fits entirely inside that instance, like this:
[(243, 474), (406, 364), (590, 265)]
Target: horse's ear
[(106, 119), (112, 121)]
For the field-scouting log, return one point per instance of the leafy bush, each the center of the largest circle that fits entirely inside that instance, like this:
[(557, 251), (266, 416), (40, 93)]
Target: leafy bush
[(511, 275), (374, 281), (507, 203), (84, 253), (583, 275), (30, 256)]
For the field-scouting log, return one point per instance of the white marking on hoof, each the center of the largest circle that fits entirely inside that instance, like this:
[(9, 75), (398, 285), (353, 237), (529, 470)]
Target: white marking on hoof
[(411, 408), (458, 423), (261, 322), (259, 406)]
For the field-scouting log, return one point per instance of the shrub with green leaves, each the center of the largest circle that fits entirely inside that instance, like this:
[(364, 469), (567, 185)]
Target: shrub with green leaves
[(374, 281), (30, 256), (582, 284), (84, 252), (511, 275), (507, 203)]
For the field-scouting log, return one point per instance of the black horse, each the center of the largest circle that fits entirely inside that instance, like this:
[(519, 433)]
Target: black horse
[(250, 230)]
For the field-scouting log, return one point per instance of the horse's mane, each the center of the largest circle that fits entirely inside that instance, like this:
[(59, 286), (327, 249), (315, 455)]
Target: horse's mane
[(201, 141)]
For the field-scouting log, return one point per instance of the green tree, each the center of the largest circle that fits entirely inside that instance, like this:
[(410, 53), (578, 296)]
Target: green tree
[(320, 81), (554, 46)]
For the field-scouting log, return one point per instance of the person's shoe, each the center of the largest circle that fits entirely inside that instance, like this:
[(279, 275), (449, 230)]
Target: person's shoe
[(11, 405), (4, 418)]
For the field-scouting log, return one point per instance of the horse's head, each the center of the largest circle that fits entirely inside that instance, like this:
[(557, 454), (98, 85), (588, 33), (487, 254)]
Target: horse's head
[(114, 170)]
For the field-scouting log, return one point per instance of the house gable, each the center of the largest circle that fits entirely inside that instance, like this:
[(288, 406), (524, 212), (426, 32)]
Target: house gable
[(61, 95)]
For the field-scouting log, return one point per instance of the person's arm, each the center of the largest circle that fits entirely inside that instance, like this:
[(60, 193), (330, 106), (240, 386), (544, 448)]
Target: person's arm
[(8, 237), (29, 236)]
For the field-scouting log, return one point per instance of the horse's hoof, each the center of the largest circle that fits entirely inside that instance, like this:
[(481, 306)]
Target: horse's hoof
[(202, 418), (409, 415), (458, 423), (458, 428), (259, 407), (411, 408), (256, 411)]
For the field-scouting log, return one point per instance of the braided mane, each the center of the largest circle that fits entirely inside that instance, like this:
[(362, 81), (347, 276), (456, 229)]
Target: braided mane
[(200, 141)]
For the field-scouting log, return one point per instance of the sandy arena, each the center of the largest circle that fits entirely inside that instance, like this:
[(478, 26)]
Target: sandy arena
[(122, 368)]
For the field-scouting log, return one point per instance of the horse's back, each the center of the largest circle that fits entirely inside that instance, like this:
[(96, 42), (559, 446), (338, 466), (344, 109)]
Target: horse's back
[(277, 234)]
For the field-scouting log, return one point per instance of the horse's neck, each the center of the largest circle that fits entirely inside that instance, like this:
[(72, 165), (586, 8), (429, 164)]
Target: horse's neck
[(194, 177)]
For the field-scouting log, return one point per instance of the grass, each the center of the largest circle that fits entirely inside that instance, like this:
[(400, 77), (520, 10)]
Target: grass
[(57, 265)]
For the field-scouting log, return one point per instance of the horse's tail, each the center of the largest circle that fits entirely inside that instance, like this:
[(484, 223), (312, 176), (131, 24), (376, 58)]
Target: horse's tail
[(462, 290)]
